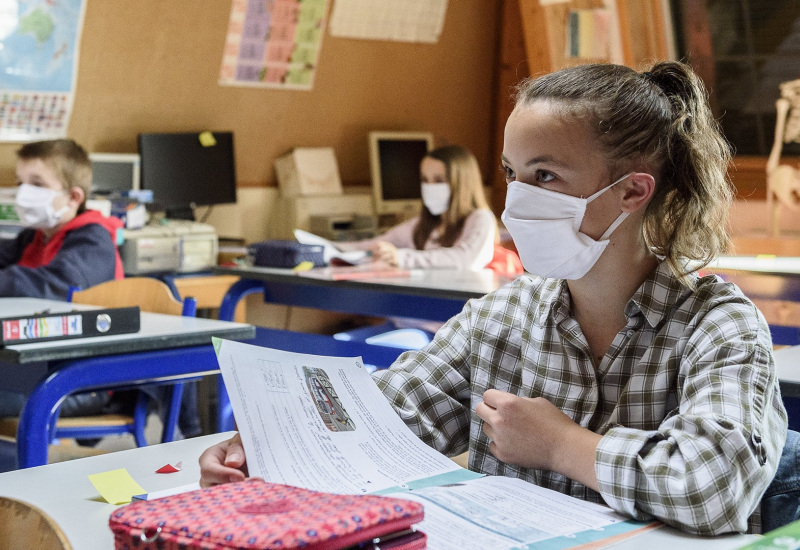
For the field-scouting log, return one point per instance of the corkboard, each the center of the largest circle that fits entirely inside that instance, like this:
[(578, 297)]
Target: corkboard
[(153, 66)]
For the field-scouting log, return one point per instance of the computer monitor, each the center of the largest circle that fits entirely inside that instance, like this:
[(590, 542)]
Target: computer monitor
[(185, 170), (394, 159), (114, 172)]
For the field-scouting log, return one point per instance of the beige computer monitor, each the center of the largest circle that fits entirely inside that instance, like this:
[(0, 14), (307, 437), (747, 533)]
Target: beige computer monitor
[(394, 159)]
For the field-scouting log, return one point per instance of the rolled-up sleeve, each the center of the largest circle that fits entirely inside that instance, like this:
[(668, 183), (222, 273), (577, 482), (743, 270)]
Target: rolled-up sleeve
[(430, 388), (707, 465)]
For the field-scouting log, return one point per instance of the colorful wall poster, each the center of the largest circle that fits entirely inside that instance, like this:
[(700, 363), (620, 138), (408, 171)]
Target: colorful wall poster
[(273, 43), (39, 46)]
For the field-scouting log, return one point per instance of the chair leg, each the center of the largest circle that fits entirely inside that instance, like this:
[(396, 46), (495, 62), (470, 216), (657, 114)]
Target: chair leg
[(175, 393), (140, 418)]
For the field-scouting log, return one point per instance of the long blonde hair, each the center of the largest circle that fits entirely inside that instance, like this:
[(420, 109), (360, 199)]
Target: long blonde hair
[(466, 196)]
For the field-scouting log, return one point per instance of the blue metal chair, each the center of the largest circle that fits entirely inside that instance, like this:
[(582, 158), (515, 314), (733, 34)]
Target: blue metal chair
[(153, 296)]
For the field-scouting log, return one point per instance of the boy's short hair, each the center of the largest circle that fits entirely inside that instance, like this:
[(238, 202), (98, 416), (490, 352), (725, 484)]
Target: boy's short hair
[(68, 160)]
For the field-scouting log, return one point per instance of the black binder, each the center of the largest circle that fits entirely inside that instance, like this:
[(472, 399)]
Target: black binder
[(83, 323)]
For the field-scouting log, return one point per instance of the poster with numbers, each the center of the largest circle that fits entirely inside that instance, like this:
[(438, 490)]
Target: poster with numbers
[(39, 44), (273, 43)]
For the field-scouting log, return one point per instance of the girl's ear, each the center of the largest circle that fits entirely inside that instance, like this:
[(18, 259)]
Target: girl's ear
[(637, 191)]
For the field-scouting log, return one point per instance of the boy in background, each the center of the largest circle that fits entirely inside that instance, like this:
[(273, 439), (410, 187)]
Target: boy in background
[(63, 244)]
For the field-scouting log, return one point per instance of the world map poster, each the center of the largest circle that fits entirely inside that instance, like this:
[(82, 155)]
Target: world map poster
[(39, 43), (273, 43)]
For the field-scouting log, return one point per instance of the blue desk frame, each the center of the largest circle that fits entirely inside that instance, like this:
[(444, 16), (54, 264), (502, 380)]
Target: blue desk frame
[(374, 297), (109, 371)]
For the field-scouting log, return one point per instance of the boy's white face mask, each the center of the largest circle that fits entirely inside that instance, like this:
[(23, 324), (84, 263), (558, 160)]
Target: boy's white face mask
[(436, 197), (545, 226), (34, 206)]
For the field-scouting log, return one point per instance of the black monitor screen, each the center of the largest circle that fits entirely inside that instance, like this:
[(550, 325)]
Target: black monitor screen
[(183, 170), (399, 162)]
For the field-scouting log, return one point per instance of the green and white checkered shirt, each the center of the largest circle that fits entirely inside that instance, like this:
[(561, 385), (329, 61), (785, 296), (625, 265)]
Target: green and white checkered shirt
[(686, 397)]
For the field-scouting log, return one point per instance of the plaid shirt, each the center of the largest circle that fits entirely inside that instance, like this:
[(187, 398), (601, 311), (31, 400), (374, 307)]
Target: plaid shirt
[(686, 397)]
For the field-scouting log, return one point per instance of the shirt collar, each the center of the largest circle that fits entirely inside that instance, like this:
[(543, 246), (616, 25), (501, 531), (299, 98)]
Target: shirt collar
[(658, 294), (653, 299)]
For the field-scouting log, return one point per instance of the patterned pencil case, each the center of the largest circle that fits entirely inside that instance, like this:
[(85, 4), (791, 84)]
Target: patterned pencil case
[(254, 514)]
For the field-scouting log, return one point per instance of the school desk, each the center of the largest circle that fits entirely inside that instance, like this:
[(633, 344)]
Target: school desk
[(64, 493), (166, 348)]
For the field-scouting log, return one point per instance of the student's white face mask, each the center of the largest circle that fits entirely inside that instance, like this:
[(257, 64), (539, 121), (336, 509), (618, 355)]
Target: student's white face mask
[(436, 197), (545, 227), (34, 206)]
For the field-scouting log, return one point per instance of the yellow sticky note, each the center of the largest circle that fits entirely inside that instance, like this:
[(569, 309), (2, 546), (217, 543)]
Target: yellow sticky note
[(303, 266), (207, 139), (116, 486)]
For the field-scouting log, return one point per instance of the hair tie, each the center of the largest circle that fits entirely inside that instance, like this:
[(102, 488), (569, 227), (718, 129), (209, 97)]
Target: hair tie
[(649, 76)]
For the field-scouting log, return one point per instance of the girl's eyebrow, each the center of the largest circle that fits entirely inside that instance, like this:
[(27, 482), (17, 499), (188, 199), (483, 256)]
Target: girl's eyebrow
[(543, 159)]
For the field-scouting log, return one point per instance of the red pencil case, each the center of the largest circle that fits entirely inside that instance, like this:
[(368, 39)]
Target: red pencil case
[(254, 514)]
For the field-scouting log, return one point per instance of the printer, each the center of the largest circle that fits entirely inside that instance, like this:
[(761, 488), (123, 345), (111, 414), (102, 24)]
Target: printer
[(177, 246)]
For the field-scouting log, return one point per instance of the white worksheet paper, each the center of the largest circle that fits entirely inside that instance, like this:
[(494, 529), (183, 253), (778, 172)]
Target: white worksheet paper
[(500, 512), (320, 423)]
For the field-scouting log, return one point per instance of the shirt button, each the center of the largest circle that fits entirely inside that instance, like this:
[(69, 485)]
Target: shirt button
[(629, 332)]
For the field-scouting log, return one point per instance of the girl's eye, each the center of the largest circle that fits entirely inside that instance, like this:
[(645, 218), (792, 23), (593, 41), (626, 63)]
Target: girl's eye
[(508, 173), (543, 176)]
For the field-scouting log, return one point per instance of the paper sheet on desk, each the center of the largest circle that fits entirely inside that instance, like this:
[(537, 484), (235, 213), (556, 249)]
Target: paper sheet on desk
[(321, 423), (331, 250)]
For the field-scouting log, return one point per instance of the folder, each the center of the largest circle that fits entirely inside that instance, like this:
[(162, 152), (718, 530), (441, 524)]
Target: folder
[(45, 326)]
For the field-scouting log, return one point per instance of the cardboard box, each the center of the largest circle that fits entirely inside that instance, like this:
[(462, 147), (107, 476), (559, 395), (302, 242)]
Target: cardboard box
[(308, 171)]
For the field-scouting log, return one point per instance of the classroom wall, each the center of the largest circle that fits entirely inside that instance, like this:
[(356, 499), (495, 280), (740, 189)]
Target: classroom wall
[(152, 66)]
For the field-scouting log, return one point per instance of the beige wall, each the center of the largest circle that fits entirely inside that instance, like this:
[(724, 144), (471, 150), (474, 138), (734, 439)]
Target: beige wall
[(153, 65)]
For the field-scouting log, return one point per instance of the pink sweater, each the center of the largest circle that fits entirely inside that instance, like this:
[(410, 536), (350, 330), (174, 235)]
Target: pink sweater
[(472, 250)]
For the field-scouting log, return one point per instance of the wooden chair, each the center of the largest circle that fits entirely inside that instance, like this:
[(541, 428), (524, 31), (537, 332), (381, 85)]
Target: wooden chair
[(150, 295), (25, 526)]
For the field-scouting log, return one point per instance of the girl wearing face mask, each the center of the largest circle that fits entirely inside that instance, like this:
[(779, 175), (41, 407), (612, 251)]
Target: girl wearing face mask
[(614, 373), (456, 228)]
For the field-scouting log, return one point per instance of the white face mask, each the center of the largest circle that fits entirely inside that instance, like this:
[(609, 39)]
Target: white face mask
[(34, 206), (545, 226), (436, 197)]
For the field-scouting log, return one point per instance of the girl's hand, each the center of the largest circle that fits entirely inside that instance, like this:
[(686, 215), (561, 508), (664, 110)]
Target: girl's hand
[(533, 433), (386, 252), (223, 463)]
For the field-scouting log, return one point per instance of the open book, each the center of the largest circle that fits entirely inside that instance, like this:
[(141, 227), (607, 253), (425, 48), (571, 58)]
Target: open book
[(321, 423)]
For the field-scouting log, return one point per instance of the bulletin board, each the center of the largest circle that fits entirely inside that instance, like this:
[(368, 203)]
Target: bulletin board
[(153, 66)]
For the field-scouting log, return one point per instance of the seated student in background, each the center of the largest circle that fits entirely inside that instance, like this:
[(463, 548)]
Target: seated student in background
[(614, 374), (64, 244), (456, 228)]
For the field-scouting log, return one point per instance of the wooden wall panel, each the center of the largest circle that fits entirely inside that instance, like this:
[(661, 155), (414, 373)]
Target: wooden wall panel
[(152, 66)]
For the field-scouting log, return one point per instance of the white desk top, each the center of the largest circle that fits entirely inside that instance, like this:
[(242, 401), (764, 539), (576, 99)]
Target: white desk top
[(64, 492), (765, 265), (434, 282), (787, 363), (158, 331)]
